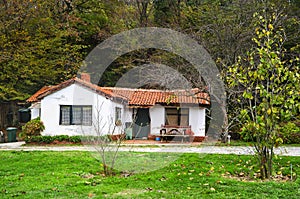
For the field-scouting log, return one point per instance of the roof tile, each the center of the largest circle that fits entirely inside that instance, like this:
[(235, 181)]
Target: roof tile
[(134, 97)]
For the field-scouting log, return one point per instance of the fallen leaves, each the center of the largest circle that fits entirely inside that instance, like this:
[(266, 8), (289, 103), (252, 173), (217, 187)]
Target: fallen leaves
[(163, 178), (149, 189)]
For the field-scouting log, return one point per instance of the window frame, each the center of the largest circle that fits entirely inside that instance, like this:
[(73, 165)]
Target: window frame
[(71, 115), (118, 116), (179, 113)]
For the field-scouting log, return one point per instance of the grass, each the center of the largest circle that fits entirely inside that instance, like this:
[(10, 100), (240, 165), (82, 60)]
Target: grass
[(240, 143), (232, 143), (78, 175)]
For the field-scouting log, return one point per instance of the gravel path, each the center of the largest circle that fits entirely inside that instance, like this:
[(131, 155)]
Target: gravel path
[(176, 148)]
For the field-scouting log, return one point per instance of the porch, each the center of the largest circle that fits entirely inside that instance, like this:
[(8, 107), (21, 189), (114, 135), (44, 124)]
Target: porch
[(176, 133)]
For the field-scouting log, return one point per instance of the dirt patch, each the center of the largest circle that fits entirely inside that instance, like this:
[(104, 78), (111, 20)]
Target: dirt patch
[(256, 177)]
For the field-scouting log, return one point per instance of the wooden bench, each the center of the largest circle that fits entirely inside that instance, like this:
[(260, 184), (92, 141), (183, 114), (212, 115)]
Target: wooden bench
[(170, 132)]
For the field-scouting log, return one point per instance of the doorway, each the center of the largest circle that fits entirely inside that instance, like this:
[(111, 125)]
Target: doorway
[(141, 126)]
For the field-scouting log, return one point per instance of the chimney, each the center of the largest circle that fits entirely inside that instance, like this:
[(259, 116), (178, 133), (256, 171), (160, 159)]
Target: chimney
[(86, 77)]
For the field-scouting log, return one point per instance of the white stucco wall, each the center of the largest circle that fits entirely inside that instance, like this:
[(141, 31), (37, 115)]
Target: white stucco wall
[(157, 115), (35, 113), (107, 115), (35, 110), (78, 95), (197, 120)]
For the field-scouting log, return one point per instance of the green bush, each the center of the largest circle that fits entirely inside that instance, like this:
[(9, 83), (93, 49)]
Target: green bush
[(47, 139), (62, 138), (290, 133), (51, 139), (65, 138), (32, 128), (39, 139), (32, 139), (75, 139)]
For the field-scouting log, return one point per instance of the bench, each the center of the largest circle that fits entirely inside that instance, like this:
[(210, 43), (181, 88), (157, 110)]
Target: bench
[(170, 132)]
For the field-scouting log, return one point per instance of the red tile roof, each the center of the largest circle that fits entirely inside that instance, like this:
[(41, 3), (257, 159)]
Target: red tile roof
[(47, 90), (134, 97), (150, 97)]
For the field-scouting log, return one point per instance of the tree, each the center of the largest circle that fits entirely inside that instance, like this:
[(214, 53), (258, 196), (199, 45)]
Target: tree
[(225, 29), (167, 13), (270, 88), (37, 48), (144, 8), (90, 19), (107, 138)]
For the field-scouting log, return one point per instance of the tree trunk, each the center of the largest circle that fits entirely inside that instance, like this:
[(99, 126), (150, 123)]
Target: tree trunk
[(262, 166), (266, 158)]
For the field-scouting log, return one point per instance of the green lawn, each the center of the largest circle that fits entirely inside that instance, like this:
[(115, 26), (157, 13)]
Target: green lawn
[(78, 175), (239, 143), (232, 143)]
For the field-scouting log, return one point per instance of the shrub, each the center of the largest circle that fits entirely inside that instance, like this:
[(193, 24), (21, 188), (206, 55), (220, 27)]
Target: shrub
[(50, 139), (62, 138), (39, 139), (32, 139), (290, 133), (75, 139), (47, 139), (33, 128)]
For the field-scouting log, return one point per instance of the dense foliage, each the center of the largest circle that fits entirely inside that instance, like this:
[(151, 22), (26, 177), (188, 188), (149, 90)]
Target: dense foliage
[(44, 43), (289, 132), (269, 83), (32, 128), (37, 48)]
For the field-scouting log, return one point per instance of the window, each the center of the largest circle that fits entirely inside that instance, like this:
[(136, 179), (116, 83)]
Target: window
[(75, 115), (177, 116), (118, 116)]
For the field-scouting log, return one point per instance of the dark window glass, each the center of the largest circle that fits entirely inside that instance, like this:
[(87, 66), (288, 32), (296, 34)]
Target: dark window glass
[(177, 116)]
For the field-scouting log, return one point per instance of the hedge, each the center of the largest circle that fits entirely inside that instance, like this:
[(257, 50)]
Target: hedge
[(51, 139)]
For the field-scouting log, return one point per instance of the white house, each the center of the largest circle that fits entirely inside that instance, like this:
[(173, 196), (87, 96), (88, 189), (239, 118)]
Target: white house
[(78, 107)]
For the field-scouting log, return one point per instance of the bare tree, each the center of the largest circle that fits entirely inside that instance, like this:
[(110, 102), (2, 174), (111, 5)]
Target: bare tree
[(144, 8), (106, 139)]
